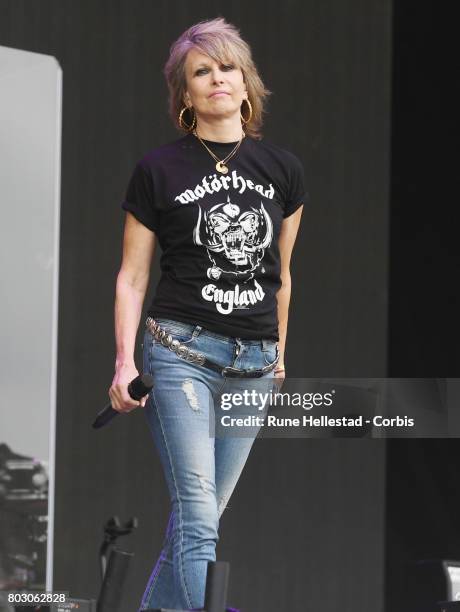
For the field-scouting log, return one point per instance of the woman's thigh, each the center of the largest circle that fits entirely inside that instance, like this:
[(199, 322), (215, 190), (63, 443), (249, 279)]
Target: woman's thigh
[(178, 412), (243, 398)]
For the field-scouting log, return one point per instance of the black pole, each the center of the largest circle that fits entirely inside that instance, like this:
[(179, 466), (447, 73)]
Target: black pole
[(114, 578), (216, 586)]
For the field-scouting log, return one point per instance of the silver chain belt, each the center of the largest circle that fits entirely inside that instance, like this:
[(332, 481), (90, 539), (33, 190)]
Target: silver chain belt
[(182, 351)]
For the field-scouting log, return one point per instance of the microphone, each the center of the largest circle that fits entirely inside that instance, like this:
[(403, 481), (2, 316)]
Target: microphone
[(137, 388)]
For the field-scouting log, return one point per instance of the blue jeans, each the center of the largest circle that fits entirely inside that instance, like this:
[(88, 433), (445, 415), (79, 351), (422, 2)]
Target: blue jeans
[(201, 469)]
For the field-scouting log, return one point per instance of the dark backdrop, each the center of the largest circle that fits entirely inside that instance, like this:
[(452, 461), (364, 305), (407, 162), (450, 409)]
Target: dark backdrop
[(305, 527), (423, 499)]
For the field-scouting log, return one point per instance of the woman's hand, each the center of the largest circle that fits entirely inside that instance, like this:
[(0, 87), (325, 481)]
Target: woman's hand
[(280, 375), (118, 392)]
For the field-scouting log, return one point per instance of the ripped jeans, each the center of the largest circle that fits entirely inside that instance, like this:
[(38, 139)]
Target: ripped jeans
[(201, 469)]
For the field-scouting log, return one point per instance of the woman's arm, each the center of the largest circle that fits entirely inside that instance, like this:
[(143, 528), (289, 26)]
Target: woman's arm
[(286, 242), (132, 283)]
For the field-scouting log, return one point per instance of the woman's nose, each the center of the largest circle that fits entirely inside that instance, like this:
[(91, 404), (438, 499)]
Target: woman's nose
[(216, 76)]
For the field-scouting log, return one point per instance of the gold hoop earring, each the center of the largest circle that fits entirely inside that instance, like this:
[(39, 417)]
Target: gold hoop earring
[(187, 128), (244, 121)]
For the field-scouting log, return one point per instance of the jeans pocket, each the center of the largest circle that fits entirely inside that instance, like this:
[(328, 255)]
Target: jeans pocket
[(269, 352), (183, 338)]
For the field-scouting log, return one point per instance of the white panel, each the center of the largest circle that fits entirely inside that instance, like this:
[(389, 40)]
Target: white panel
[(30, 146)]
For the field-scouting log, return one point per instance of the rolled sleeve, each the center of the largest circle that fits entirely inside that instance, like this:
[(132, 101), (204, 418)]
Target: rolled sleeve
[(298, 194), (140, 198)]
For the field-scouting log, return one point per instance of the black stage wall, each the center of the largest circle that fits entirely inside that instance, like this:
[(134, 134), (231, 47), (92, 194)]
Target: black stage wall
[(305, 527)]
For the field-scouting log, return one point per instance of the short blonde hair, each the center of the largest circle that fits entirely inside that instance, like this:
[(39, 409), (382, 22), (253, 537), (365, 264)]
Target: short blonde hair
[(222, 42)]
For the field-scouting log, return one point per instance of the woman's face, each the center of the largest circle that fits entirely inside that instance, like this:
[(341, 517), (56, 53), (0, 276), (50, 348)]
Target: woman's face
[(204, 77)]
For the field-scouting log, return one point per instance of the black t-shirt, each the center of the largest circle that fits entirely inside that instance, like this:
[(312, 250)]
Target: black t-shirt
[(220, 262)]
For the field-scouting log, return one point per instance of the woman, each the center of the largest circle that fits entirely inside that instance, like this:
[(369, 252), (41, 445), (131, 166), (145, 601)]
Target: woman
[(225, 207)]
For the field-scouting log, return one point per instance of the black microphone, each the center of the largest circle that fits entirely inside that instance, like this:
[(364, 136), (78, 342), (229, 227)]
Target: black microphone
[(137, 388)]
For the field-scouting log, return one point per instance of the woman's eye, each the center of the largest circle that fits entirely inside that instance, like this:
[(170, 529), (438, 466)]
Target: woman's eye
[(223, 67)]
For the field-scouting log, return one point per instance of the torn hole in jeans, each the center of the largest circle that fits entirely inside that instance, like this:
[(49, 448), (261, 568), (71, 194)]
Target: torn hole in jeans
[(190, 393)]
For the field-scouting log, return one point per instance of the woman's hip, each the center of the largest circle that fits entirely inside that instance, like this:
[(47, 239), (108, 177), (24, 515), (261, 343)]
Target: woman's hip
[(177, 345)]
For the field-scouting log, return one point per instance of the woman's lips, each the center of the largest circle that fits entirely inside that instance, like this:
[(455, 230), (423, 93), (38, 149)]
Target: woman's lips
[(220, 93)]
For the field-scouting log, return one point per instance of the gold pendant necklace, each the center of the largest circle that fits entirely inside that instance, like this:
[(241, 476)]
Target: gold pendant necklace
[(221, 168), (220, 165)]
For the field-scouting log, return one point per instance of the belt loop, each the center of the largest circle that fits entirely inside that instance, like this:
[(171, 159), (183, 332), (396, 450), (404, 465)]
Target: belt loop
[(264, 345), (197, 331)]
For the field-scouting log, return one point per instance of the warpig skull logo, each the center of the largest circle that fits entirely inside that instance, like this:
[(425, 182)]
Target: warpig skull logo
[(235, 241)]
